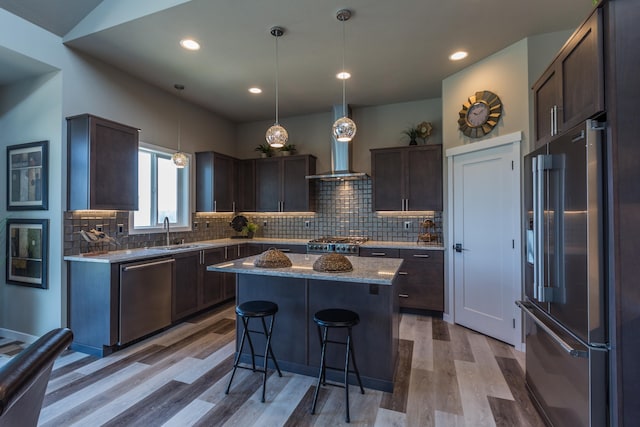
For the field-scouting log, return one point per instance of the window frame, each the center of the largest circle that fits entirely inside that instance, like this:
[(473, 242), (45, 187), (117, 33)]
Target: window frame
[(185, 199)]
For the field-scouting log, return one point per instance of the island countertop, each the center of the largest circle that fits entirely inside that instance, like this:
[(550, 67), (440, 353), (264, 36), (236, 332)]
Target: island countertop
[(380, 271)]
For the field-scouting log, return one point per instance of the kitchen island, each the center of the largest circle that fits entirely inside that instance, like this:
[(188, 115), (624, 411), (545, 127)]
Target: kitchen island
[(300, 292)]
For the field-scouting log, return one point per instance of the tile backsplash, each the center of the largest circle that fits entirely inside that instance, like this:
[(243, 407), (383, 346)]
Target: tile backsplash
[(343, 209)]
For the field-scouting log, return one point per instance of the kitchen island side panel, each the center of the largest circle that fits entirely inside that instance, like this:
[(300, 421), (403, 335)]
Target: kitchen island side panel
[(93, 306)]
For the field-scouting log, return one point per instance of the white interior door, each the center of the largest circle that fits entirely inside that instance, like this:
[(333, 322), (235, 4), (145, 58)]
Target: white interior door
[(485, 225)]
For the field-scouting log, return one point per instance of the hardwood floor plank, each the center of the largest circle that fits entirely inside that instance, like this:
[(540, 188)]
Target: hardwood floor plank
[(440, 330), (203, 365), (460, 346), (499, 348), (473, 394), (60, 407), (491, 376), (397, 401), (190, 414), (70, 364), (447, 398), (97, 376), (224, 326), (422, 343), (505, 412), (215, 344), (387, 418), (445, 419), (301, 415), (229, 404), (514, 376), (421, 399), (270, 413)]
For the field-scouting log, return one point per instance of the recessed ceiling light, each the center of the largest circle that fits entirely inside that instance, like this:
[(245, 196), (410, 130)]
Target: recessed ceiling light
[(190, 44), (343, 75), (458, 55), (255, 90)]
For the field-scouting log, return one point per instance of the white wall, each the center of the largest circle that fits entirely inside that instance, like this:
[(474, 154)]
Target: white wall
[(31, 111), (378, 126)]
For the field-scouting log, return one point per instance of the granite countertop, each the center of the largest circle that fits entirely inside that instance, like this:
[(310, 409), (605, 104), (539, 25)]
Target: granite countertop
[(128, 255), (365, 270)]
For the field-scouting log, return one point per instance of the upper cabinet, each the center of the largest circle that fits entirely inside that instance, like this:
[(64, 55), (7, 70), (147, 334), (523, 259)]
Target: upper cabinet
[(246, 186), (102, 164), (407, 178), (215, 182), (281, 185), (571, 90)]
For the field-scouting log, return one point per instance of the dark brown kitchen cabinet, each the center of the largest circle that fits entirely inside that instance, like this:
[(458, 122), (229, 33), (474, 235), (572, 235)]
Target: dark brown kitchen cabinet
[(420, 278), (571, 90), (212, 282), (246, 186), (215, 182), (407, 178), (102, 164), (281, 185), (186, 285)]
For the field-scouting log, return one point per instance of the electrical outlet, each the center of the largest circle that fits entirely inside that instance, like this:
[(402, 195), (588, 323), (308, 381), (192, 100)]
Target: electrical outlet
[(120, 228), (264, 223), (195, 225), (307, 224), (407, 225), (207, 224), (99, 227)]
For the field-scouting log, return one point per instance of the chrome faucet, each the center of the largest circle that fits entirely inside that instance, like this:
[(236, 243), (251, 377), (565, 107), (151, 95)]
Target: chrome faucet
[(165, 225)]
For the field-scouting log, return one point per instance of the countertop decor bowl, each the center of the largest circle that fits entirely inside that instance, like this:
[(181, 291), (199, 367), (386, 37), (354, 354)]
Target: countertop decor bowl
[(272, 258), (333, 263)]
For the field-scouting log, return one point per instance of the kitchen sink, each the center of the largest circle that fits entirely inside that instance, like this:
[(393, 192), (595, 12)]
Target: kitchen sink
[(174, 247)]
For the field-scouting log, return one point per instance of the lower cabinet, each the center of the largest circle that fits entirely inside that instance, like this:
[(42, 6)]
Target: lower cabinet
[(185, 285), (421, 276)]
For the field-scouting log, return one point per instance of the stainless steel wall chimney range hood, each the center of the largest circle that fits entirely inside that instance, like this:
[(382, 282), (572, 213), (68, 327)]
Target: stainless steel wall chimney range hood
[(340, 157)]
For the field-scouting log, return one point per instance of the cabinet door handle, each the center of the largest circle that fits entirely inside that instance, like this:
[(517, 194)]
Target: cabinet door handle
[(422, 256), (406, 204), (226, 252), (215, 206), (402, 273), (233, 206), (551, 124), (378, 254), (403, 295), (284, 249)]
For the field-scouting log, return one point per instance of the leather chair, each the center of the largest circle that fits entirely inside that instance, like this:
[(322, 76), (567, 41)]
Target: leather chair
[(24, 379)]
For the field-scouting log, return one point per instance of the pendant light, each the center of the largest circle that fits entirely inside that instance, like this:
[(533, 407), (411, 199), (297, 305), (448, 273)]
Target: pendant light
[(180, 160), (276, 135), (344, 129)]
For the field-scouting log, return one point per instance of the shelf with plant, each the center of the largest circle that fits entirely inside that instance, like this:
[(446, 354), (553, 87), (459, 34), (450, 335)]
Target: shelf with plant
[(264, 149)]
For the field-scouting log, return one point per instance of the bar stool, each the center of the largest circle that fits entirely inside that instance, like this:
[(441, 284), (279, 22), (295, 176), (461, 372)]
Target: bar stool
[(250, 310), (336, 318)]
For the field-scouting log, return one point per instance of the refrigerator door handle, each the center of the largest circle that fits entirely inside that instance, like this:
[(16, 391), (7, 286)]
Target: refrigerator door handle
[(538, 226), (562, 343)]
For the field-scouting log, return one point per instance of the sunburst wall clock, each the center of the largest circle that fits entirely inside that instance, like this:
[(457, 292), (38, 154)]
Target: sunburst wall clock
[(480, 114)]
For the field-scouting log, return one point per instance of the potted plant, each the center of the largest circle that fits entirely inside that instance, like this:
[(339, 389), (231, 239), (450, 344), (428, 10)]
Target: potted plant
[(264, 149), (250, 229), (287, 149), (412, 133)]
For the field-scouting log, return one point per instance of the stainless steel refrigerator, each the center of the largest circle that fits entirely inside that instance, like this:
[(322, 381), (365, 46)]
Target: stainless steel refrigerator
[(565, 300)]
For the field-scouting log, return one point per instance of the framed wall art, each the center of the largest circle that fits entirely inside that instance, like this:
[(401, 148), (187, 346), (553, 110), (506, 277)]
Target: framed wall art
[(27, 252), (27, 173)]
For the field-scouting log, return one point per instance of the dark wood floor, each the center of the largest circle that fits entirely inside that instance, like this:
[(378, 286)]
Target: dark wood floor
[(447, 376)]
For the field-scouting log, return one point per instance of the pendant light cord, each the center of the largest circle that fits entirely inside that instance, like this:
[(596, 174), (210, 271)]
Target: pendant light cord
[(277, 72), (344, 81)]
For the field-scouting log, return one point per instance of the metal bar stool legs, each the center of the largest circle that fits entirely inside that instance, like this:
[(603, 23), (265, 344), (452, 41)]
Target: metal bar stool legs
[(336, 318), (246, 311)]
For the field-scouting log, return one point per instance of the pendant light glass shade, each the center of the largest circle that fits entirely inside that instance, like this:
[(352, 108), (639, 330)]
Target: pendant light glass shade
[(179, 159), (276, 135), (344, 129)]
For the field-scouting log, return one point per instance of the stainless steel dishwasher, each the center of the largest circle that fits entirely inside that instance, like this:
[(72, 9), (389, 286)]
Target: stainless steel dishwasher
[(145, 298)]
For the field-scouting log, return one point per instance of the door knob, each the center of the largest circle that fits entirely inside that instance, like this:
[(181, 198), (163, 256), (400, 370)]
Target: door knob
[(458, 247)]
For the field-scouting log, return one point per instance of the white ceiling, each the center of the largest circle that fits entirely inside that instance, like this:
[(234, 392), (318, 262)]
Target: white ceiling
[(396, 50)]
